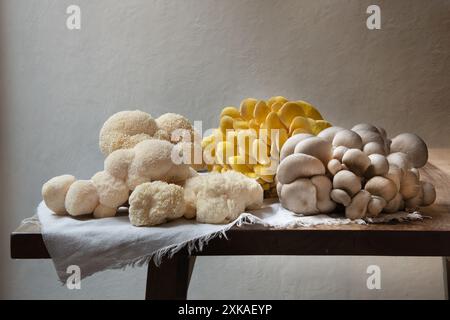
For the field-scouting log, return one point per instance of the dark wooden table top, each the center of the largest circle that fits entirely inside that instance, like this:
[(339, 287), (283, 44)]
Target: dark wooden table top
[(430, 237)]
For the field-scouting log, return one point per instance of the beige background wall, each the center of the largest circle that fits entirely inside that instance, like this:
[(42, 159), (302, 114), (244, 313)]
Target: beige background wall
[(194, 57)]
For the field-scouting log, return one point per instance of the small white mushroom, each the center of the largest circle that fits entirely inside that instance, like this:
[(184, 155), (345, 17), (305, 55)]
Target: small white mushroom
[(358, 207), (300, 197), (429, 193), (396, 204), (102, 211), (374, 147), (82, 198), (329, 133), (365, 126), (370, 136), (299, 165), (340, 196), (289, 145), (414, 203), (400, 159), (347, 138), (339, 152), (347, 181), (54, 193), (379, 166), (334, 166), (410, 185), (316, 147), (395, 174), (382, 187), (323, 188), (375, 206), (413, 146), (356, 161)]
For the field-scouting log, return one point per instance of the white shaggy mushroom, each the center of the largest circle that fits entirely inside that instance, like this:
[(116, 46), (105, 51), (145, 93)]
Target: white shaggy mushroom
[(81, 198), (221, 197), (125, 129), (178, 127), (154, 203), (112, 191), (54, 192)]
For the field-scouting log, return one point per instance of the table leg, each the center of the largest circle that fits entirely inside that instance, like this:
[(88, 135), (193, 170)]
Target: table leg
[(446, 266), (171, 279)]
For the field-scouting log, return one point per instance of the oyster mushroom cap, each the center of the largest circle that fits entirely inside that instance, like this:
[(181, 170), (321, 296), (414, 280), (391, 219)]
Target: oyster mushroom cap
[(358, 207), (394, 174), (289, 145), (329, 133), (366, 127), (413, 146), (300, 197), (339, 152), (356, 161), (379, 165), (347, 181), (347, 138), (429, 193), (334, 166), (316, 147), (409, 185), (374, 147), (323, 188), (340, 196), (396, 204), (400, 159), (375, 206), (370, 136), (382, 187), (299, 165)]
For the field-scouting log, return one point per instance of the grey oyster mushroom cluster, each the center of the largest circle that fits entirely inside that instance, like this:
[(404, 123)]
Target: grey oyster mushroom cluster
[(360, 169)]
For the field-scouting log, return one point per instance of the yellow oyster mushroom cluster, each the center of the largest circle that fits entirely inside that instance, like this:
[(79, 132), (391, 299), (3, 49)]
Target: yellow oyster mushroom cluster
[(249, 138)]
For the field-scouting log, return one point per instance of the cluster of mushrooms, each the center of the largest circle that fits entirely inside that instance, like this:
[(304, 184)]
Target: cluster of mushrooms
[(359, 169), (249, 138)]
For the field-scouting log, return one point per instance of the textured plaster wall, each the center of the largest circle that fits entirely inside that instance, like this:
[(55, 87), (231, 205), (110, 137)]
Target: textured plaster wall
[(194, 57)]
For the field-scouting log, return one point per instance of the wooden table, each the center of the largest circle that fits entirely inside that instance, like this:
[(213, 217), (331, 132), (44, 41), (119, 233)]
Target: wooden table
[(430, 237)]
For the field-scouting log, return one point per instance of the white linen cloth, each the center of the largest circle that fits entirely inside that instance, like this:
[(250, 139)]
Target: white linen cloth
[(112, 243)]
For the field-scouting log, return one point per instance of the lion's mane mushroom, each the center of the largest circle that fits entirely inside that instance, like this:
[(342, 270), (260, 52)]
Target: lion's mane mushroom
[(220, 197), (126, 129), (176, 126), (124, 170), (54, 192), (154, 203)]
